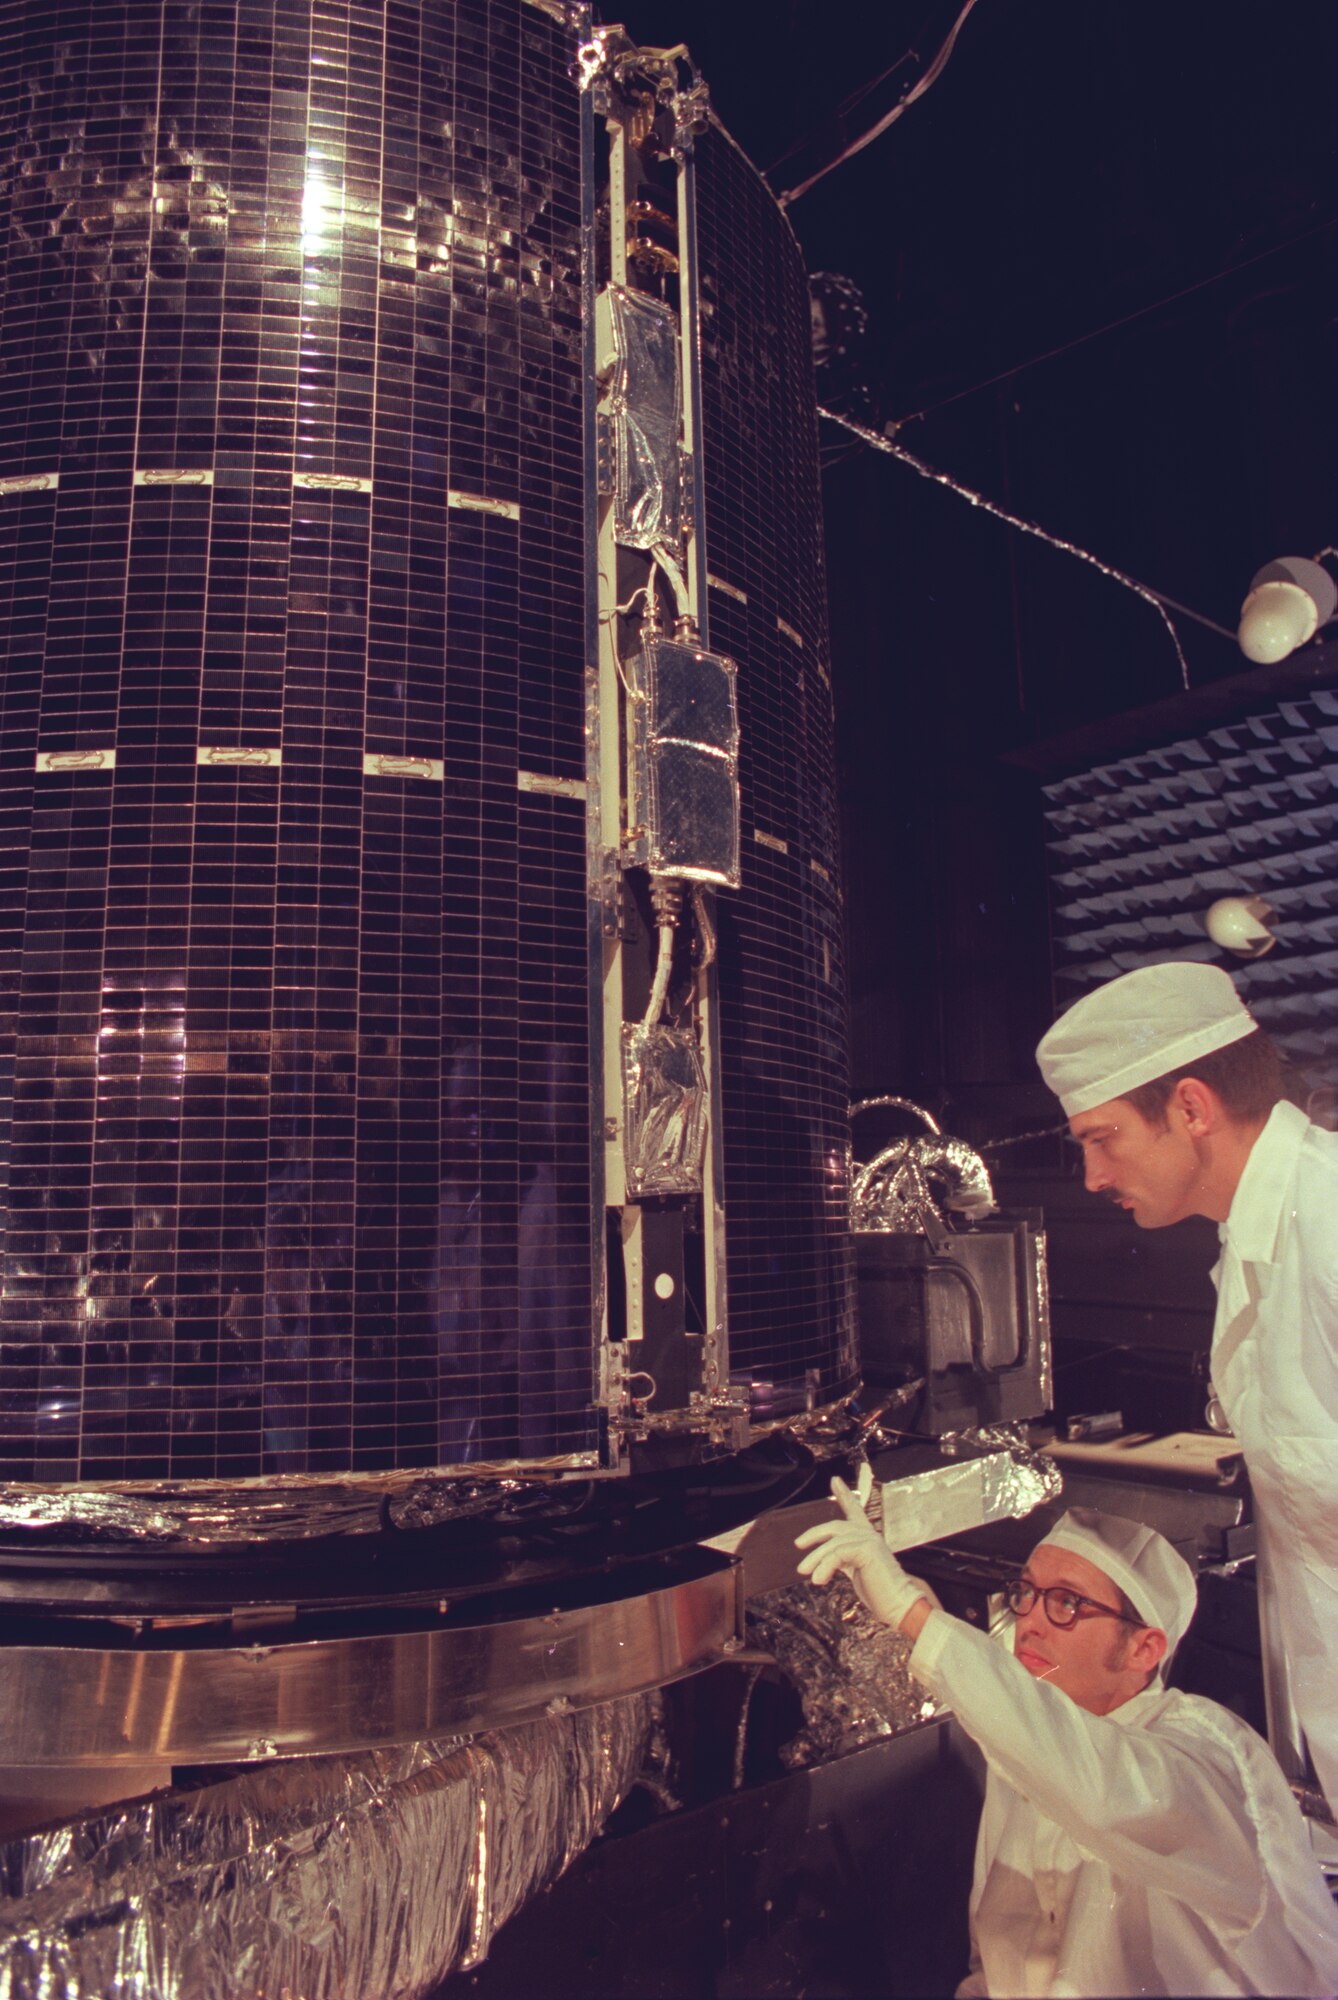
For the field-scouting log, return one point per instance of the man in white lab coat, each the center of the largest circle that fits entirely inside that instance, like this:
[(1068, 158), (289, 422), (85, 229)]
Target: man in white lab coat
[(1177, 1100), (1134, 1840)]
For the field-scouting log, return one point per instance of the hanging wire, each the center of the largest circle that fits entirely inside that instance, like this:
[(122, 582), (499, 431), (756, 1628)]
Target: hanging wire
[(889, 445), (1021, 1138), (931, 76)]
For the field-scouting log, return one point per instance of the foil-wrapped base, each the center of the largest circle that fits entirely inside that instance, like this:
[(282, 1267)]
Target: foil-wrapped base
[(336, 1878)]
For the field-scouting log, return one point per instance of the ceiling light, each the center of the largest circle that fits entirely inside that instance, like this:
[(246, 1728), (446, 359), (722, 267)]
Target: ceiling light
[(1288, 602)]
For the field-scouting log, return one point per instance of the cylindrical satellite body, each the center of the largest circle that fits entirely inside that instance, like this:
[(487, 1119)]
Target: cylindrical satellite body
[(399, 1074)]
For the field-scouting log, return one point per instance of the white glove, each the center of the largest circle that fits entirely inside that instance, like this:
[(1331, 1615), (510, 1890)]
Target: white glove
[(855, 1546)]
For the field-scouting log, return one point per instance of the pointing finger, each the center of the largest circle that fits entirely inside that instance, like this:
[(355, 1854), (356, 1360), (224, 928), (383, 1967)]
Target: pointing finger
[(846, 1500)]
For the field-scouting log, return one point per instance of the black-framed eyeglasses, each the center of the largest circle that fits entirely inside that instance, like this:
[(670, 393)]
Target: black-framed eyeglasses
[(1062, 1607)]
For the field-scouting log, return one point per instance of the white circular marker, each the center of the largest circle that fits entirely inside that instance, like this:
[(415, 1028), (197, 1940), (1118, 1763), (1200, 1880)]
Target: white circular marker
[(664, 1286)]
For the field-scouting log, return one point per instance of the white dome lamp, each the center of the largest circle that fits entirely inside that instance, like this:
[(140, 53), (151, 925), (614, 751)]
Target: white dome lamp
[(1240, 924), (1288, 602)]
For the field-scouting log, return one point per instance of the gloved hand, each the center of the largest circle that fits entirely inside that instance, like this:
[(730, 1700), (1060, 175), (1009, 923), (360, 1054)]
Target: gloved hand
[(855, 1546)]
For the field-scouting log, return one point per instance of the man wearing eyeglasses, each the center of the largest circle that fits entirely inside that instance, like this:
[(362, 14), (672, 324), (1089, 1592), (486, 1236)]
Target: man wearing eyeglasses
[(1134, 1840), (1178, 1101)]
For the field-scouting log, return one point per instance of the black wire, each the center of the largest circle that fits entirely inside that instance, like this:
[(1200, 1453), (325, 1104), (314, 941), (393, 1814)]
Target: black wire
[(843, 110), (1112, 326)]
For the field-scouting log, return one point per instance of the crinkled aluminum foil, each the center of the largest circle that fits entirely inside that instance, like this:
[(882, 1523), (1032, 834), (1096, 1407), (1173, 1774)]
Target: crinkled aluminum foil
[(352, 1878), (664, 1110), (645, 406), (1005, 1483), (850, 1671), (1012, 1438), (684, 762), (295, 1507), (894, 1194)]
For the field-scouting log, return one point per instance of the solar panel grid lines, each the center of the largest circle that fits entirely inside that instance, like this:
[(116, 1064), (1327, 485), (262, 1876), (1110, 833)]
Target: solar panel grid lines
[(295, 1000), (782, 958), (281, 1242)]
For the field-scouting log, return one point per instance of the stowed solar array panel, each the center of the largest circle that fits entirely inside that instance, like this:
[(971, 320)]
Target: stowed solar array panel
[(1139, 849), (295, 989), (782, 977)]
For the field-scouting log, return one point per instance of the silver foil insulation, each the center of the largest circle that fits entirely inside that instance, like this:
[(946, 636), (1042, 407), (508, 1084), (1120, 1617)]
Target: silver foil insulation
[(202, 1514), (352, 1878), (851, 1671), (665, 1110), (639, 343), (684, 727), (919, 1177), (996, 1477)]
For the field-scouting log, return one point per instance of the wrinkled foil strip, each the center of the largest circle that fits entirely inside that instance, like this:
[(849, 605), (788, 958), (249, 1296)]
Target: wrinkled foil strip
[(352, 1878), (1006, 1483), (850, 1671), (1011, 1438), (645, 405), (294, 1507)]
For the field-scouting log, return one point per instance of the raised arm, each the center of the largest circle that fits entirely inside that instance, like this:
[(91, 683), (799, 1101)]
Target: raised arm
[(1155, 1806)]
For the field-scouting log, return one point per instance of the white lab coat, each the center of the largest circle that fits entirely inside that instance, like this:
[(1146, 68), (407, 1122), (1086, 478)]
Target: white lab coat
[(1275, 1370), (1155, 1850)]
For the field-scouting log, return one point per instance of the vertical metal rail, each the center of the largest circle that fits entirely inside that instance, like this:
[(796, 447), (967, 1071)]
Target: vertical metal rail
[(606, 793), (601, 805)]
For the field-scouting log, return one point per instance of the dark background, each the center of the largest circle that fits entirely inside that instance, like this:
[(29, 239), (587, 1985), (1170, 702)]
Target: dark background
[(1099, 261)]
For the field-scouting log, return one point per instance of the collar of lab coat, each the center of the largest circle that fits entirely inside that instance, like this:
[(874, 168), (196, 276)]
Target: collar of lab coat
[(1251, 1229), (1140, 1708)]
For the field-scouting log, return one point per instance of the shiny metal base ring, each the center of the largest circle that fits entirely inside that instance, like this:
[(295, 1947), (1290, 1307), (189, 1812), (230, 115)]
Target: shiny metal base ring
[(210, 1703)]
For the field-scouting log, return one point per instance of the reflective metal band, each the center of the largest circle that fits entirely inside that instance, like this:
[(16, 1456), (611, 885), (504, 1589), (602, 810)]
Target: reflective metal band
[(75, 760), (332, 482), (483, 503), (29, 482), (555, 788), (387, 764), (102, 1704), (179, 476), (222, 753)]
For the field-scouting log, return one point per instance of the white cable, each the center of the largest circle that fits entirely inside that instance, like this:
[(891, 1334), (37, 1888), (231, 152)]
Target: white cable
[(881, 442), (705, 927), (610, 618), (930, 76), (659, 991), (677, 581)]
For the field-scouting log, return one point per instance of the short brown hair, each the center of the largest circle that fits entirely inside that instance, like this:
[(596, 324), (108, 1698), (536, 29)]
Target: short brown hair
[(1249, 1076)]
